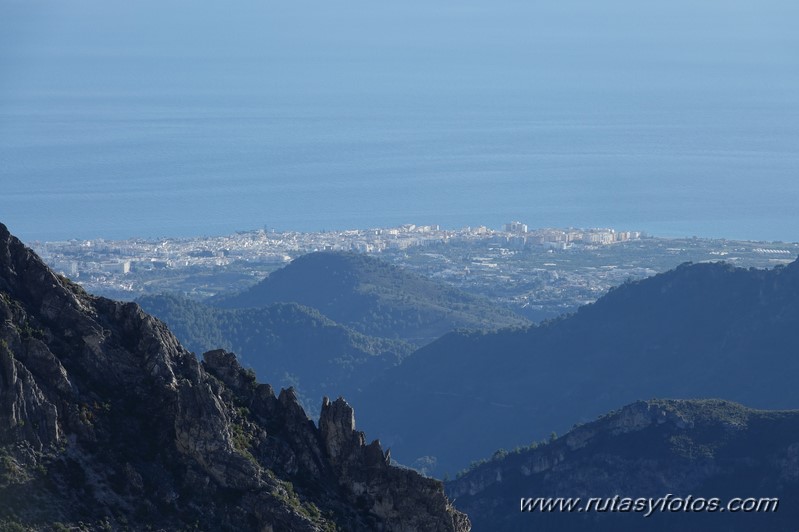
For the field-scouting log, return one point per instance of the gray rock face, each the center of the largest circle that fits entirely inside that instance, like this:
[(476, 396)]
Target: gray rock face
[(106, 419), (30, 417), (337, 427)]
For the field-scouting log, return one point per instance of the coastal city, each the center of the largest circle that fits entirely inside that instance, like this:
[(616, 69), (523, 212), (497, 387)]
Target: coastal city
[(540, 273)]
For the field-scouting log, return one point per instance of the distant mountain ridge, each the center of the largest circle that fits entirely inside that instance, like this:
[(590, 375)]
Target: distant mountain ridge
[(108, 423), (702, 330), (705, 449), (373, 297), (285, 343)]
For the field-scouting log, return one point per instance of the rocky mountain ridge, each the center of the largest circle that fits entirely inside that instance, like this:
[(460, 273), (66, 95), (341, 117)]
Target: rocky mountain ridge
[(701, 448), (106, 421)]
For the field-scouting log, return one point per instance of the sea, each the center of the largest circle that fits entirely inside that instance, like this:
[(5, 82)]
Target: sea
[(151, 119)]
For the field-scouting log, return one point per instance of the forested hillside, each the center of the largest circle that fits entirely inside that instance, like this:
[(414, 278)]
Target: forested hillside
[(656, 449), (284, 343), (701, 330), (374, 298)]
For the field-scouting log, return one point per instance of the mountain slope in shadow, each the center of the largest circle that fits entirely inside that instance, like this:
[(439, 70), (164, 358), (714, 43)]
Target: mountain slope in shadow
[(284, 343), (703, 330), (708, 449)]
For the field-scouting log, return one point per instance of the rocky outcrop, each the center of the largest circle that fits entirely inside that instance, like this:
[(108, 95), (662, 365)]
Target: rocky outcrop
[(106, 419), (380, 486), (702, 448)]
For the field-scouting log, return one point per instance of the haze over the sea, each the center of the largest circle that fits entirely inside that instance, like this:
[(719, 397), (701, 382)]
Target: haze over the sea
[(179, 118)]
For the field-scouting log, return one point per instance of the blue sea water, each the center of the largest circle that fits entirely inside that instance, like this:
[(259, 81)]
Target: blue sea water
[(180, 119)]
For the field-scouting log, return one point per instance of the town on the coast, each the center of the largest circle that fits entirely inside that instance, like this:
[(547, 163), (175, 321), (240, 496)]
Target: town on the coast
[(538, 272)]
